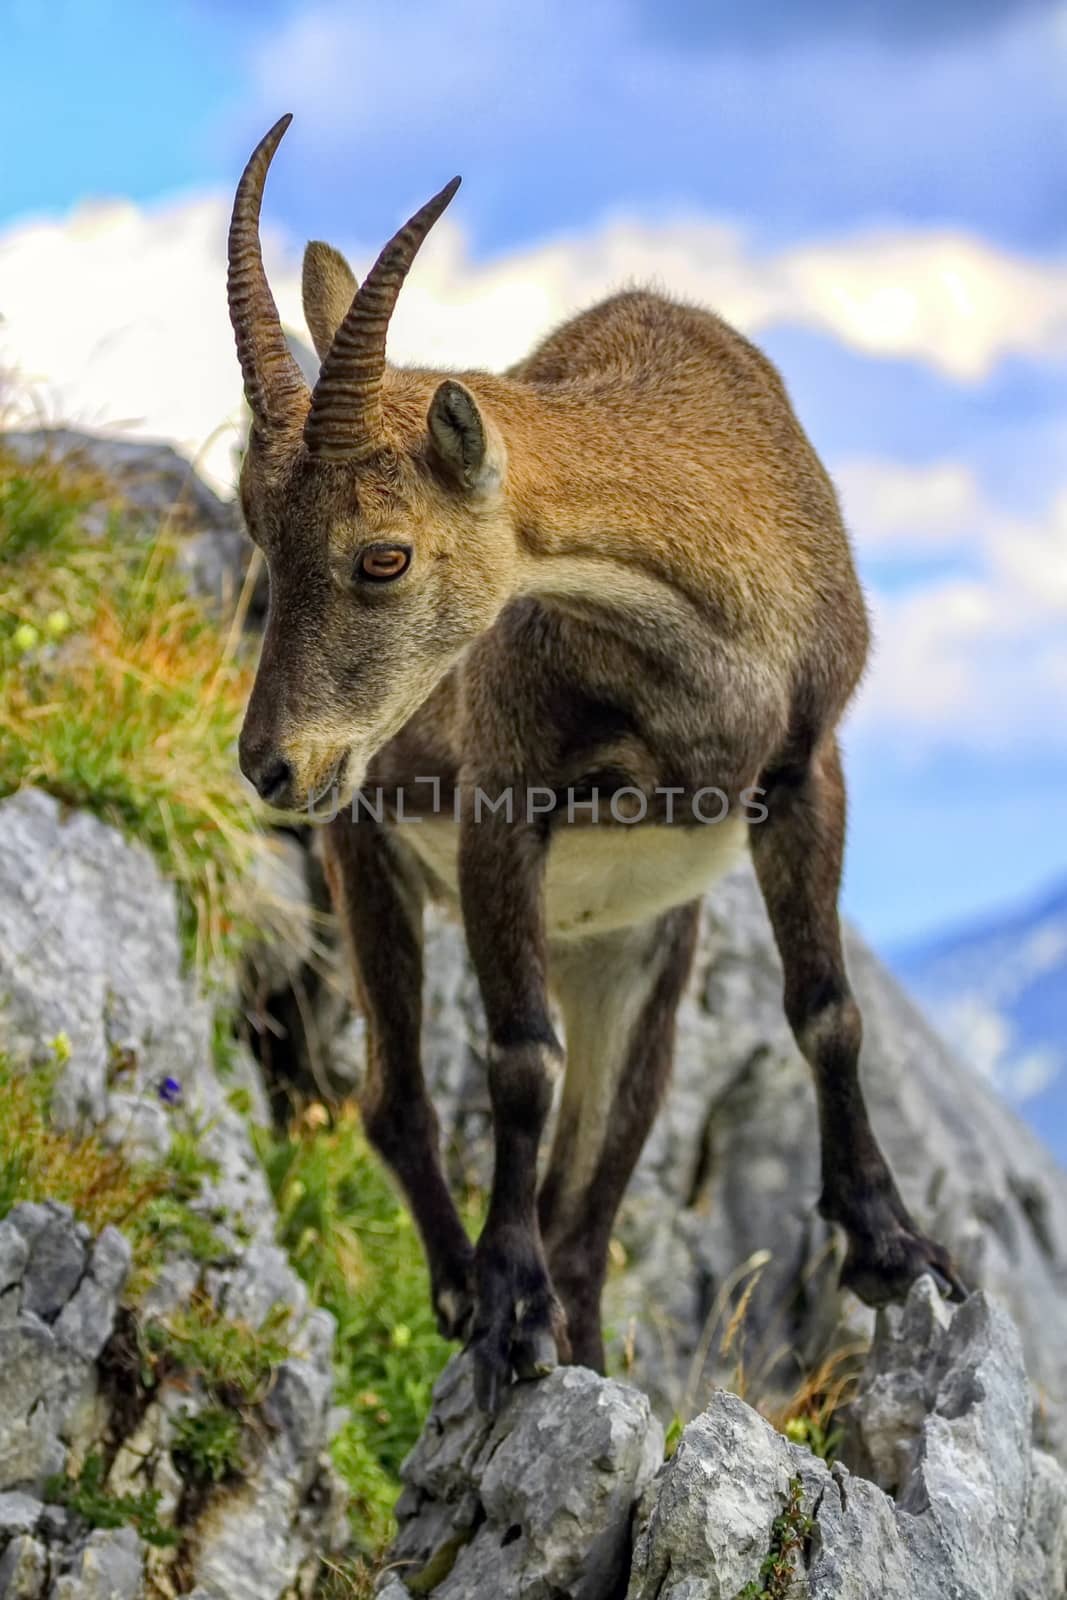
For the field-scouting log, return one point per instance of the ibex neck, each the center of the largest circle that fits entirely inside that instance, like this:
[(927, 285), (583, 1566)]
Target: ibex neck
[(564, 465), (580, 507)]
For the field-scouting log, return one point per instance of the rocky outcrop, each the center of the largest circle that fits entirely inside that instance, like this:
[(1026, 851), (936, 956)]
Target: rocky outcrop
[(58, 1297), (530, 1505), (89, 950), (69, 1396), (487, 1508)]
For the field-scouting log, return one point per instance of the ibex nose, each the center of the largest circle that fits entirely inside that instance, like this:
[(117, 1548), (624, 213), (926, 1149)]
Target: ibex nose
[(271, 774)]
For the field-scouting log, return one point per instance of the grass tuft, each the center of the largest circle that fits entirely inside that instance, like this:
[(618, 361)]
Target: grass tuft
[(809, 1416), (352, 1240), (38, 1162), (89, 1497), (352, 1578), (122, 695), (208, 1446), (790, 1532), (808, 1413), (151, 1205), (234, 1360)]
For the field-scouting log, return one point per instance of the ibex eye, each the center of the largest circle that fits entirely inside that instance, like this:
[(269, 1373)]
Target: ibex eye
[(381, 562)]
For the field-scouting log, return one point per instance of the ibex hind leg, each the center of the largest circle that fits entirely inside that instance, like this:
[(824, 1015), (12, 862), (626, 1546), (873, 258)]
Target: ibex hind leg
[(797, 852), (619, 994)]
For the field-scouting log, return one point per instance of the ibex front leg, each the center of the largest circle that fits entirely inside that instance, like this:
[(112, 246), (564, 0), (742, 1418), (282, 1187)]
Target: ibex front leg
[(377, 894), (518, 1323), (797, 853)]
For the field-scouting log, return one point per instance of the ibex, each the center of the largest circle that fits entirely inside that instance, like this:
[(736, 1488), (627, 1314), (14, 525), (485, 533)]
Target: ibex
[(617, 577)]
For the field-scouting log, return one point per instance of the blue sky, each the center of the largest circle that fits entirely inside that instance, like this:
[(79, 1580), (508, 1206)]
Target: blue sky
[(815, 160)]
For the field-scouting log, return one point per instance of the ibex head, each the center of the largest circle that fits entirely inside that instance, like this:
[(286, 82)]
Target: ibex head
[(377, 500)]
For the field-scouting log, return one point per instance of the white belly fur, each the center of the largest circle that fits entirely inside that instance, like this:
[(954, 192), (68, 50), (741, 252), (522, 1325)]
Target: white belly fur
[(602, 878)]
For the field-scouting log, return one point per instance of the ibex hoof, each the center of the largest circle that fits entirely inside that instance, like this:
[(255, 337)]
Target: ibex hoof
[(536, 1356), (516, 1334), (883, 1268)]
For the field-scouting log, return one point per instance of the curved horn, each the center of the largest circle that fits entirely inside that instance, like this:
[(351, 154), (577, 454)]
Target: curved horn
[(345, 420), (274, 385)]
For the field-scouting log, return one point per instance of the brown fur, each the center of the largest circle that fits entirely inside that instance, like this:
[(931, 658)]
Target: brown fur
[(628, 569)]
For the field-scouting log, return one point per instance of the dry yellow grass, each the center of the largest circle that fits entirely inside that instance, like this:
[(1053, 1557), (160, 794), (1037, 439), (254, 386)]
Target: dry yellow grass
[(122, 695)]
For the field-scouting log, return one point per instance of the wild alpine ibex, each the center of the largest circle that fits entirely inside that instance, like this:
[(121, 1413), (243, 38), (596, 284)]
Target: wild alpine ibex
[(563, 606)]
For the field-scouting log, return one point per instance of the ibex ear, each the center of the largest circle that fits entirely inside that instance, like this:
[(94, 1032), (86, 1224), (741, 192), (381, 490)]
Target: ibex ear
[(329, 287), (467, 447)]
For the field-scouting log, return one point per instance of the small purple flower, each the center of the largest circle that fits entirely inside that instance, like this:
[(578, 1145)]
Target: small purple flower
[(170, 1091)]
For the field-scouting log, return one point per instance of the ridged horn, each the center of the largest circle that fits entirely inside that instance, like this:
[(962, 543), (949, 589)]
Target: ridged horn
[(345, 420), (274, 385)]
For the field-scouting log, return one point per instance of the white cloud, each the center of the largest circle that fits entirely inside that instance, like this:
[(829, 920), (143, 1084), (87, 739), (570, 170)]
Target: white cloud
[(949, 301), (985, 1032), (944, 298), (905, 510), (985, 1039), (116, 317), (979, 661), (116, 313), (555, 88)]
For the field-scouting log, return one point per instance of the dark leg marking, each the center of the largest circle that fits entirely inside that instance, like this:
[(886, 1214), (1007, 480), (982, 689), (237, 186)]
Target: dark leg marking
[(518, 1322), (378, 896), (797, 852)]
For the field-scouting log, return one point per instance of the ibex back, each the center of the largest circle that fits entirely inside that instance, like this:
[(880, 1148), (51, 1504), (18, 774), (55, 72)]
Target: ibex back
[(607, 604)]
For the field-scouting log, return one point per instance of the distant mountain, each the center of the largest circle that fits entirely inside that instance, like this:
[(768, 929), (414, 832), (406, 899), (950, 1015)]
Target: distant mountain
[(997, 991)]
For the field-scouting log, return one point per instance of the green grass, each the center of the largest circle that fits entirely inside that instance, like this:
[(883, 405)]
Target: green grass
[(88, 1496), (352, 1240), (153, 1205), (790, 1532), (208, 1445), (43, 505), (121, 694), (234, 1360), (39, 1163)]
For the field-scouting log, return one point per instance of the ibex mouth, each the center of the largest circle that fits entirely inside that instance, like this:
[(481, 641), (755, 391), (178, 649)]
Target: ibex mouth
[(332, 784), (324, 801)]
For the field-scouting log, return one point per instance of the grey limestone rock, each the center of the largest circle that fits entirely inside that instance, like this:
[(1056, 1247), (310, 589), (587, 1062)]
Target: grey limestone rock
[(19, 1513), (538, 1502), (23, 1569), (107, 1565), (61, 1310), (952, 1427), (535, 1503), (89, 948)]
